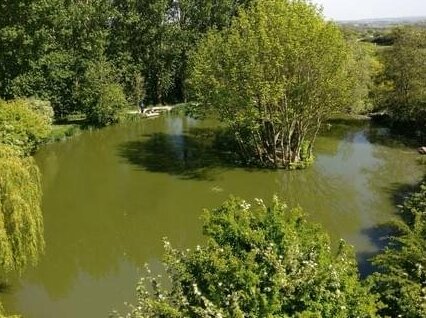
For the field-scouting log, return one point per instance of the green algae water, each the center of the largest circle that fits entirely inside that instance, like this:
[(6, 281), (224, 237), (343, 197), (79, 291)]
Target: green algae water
[(110, 196)]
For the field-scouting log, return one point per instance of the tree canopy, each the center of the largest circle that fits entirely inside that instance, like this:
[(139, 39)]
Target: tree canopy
[(405, 65), (48, 50), (274, 76)]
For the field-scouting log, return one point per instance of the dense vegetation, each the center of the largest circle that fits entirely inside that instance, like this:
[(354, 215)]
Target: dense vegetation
[(398, 80), (274, 71), (81, 55), (274, 76), (259, 262), (99, 57), (21, 226), (405, 69), (401, 280), (24, 125)]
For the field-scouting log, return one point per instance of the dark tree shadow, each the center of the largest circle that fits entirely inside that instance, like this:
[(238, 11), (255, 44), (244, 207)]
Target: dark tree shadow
[(381, 234), (351, 121), (5, 286), (191, 155), (377, 132), (393, 139), (400, 191)]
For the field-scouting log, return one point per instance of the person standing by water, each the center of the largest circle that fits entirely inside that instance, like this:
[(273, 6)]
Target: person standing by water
[(141, 106)]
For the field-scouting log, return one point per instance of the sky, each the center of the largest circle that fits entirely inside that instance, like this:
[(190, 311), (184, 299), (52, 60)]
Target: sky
[(367, 9)]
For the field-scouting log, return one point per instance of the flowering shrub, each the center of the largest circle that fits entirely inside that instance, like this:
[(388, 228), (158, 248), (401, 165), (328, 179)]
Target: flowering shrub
[(259, 261)]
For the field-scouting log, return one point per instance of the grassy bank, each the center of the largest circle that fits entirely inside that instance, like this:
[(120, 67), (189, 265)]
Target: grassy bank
[(63, 131)]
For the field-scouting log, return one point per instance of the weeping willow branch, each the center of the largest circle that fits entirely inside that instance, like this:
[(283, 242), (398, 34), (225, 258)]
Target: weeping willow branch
[(21, 221)]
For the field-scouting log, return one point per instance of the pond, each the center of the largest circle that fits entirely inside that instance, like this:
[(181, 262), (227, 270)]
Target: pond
[(111, 195)]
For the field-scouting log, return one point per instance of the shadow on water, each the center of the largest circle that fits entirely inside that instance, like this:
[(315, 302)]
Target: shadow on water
[(386, 137), (191, 155), (4, 287), (376, 132), (380, 235), (350, 121), (399, 191)]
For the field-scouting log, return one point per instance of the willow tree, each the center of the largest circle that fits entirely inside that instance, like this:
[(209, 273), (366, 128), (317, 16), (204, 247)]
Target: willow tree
[(274, 76), (21, 223)]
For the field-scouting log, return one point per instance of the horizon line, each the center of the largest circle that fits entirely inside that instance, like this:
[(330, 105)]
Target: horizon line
[(420, 17)]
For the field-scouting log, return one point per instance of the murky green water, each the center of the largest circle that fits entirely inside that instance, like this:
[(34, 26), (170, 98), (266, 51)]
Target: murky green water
[(111, 195)]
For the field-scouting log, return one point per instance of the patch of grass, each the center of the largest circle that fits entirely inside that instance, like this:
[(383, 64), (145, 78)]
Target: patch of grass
[(422, 160), (348, 119), (63, 131), (133, 117)]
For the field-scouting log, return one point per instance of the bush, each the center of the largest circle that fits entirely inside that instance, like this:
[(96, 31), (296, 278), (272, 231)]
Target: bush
[(401, 280), (24, 124), (258, 262), (102, 99), (109, 107)]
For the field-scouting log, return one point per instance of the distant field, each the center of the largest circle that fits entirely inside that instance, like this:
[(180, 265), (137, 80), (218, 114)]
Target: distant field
[(387, 22)]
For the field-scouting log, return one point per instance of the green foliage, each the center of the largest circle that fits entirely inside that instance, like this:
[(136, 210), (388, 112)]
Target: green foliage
[(109, 106), (47, 46), (401, 280), (21, 222), (14, 42), (273, 77), (43, 108), (381, 85), (258, 262), (406, 71), (146, 45), (57, 39), (61, 132), (154, 38), (24, 124), (103, 99), (3, 315), (137, 92), (49, 78), (362, 71), (422, 160)]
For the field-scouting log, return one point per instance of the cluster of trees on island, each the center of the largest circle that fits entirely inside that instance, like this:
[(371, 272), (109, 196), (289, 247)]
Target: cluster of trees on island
[(274, 71)]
